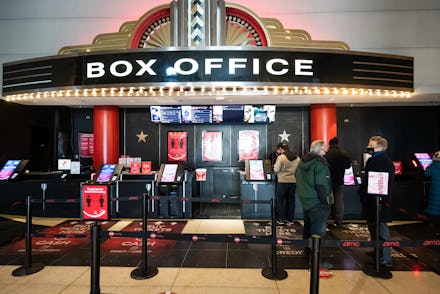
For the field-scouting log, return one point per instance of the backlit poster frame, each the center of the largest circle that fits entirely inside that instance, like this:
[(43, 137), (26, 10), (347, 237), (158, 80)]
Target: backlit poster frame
[(212, 146), (177, 147), (86, 145), (248, 144)]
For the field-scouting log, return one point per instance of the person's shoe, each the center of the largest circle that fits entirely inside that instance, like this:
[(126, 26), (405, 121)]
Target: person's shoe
[(385, 272), (279, 222), (326, 265)]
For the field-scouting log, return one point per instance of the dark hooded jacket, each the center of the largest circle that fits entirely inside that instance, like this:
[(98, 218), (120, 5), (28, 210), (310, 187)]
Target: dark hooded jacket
[(379, 162), (313, 183)]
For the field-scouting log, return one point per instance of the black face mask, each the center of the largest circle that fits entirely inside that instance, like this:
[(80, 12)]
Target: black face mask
[(370, 150)]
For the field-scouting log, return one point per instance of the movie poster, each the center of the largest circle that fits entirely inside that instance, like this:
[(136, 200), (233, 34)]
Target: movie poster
[(177, 146), (248, 145), (86, 145), (212, 146)]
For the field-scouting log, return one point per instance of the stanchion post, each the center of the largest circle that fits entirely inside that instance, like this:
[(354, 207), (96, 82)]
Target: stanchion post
[(144, 271), (273, 273), (314, 271), (28, 268), (377, 247), (95, 258)]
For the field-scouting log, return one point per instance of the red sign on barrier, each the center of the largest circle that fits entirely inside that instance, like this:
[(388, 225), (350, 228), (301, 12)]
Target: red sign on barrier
[(95, 204)]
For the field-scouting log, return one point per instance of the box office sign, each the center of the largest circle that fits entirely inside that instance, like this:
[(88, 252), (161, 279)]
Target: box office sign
[(255, 66), (95, 202)]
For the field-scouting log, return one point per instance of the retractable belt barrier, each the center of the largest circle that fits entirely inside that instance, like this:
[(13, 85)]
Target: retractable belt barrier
[(314, 243)]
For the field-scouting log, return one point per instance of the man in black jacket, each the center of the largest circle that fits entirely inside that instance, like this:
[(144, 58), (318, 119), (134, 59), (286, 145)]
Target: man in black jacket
[(338, 160), (379, 162)]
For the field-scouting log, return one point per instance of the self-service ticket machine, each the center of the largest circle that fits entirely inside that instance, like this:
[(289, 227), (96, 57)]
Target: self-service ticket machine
[(257, 184), (170, 181), (12, 169), (96, 195)]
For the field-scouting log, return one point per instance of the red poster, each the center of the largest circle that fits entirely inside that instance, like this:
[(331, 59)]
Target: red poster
[(86, 145), (212, 146), (135, 168), (177, 146), (146, 167), (95, 205), (248, 145)]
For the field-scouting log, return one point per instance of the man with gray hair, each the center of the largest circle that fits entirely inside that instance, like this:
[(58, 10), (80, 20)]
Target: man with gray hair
[(314, 190)]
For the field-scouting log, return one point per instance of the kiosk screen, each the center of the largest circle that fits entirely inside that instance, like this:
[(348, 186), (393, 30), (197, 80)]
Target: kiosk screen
[(11, 168), (423, 159), (108, 173), (168, 174)]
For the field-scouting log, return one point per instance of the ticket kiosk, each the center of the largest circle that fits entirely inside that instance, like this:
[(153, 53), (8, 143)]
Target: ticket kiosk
[(257, 184), (12, 169), (170, 187), (96, 196)]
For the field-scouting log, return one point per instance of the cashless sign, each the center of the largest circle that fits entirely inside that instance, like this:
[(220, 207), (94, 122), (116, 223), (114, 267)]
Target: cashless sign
[(95, 202)]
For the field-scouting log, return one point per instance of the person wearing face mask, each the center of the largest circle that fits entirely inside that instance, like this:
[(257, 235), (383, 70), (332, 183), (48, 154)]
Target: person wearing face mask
[(378, 162)]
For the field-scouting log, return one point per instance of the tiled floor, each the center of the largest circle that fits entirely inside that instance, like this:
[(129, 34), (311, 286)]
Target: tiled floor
[(71, 279), (217, 268)]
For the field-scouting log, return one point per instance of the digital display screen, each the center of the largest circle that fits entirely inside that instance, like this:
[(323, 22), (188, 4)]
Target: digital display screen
[(233, 113), (349, 177), (169, 173), (166, 114), (196, 114), (424, 159), (256, 170), (64, 164), (106, 173), (8, 169), (259, 113)]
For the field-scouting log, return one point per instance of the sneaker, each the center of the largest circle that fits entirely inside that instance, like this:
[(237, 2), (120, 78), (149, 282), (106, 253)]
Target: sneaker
[(385, 272), (279, 222)]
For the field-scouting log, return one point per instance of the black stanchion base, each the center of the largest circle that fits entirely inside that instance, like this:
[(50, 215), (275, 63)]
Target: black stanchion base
[(371, 271), (138, 274), (279, 275), (25, 271)]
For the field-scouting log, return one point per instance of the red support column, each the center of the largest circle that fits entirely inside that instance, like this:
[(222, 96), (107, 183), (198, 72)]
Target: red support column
[(106, 135), (323, 122)]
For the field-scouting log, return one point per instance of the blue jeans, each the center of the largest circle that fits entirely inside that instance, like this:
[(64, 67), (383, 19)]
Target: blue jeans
[(285, 201), (384, 235), (315, 221)]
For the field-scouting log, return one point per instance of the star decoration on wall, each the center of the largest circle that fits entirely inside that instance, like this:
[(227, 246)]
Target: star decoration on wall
[(141, 137), (284, 136)]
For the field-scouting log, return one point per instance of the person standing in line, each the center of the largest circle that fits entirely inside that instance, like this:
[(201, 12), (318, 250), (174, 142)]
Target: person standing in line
[(379, 162), (433, 171), (313, 187), (285, 167), (338, 160)]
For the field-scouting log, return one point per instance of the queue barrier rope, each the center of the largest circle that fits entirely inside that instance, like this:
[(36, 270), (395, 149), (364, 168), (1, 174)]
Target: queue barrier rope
[(96, 234)]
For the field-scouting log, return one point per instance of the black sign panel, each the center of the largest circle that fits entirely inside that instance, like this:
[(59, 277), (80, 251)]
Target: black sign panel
[(259, 66)]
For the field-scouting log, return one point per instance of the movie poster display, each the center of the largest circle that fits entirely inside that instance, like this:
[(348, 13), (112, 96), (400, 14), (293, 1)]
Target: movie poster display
[(248, 144), (86, 145), (177, 146), (212, 147)]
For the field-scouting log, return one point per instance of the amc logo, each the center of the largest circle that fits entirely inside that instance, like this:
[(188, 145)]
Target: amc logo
[(431, 243), (391, 244), (351, 244)]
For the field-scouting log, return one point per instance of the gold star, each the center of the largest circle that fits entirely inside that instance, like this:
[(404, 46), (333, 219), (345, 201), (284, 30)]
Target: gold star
[(284, 136), (141, 137)]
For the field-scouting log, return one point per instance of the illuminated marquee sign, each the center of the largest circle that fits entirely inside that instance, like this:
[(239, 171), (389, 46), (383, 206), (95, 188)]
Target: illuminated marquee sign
[(198, 67)]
